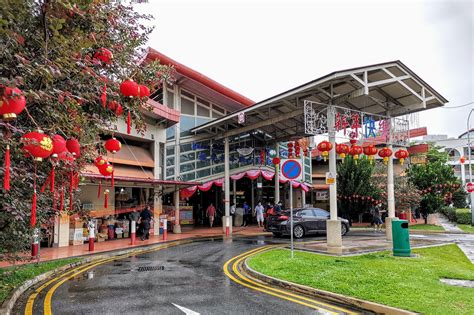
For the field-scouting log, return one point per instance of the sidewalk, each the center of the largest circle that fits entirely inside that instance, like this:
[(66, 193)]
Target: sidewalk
[(47, 254)]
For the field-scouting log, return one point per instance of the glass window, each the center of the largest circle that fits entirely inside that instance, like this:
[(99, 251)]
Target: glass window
[(170, 161), (189, 176), (203, 173), (321, 213), (202, 111), (169, 172), (217, 108), (202, 121), (186, 147), (188, 94), (170, 133), (200, 100), (205, 163), (169, 150), (218, 169), (306, 213), (216, 115), (187, 157), (186, 167), (186, 123), (170, 99), (187, 106)]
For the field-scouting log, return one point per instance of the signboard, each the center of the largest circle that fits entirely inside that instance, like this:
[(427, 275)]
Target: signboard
[(330, 178), (291, 169), (259, 185), (470, 187), (241, 118), (418, 159), (322, 195)]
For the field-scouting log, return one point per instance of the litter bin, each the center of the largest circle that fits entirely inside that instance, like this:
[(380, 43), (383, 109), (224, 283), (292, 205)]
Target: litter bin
[(401, 238)]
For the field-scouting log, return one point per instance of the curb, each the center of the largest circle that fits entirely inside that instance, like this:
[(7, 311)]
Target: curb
[(326, 295)]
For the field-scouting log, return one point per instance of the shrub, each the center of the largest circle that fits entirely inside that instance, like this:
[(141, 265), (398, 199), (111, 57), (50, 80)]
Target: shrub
[(463, 216), (449, 212)]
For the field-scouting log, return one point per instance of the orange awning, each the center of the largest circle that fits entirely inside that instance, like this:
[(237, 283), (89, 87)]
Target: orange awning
[(133, 155)]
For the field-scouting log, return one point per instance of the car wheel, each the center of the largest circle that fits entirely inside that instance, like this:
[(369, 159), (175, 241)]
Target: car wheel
[(298, 231), (343, 229), (276, 234)]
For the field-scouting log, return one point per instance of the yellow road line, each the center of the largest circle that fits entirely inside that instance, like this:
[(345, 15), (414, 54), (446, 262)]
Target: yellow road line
[(273, 291), (32, 297)]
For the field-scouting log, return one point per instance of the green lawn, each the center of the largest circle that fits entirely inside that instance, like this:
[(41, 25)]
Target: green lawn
[(426, 227), (408, 283), (12, 277), (466, 228)]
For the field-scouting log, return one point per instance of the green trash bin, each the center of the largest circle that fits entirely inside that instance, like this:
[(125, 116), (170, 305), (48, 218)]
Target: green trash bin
[(401, 238)]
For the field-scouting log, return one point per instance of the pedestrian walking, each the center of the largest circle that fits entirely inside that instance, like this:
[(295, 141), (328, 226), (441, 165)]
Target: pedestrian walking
[(247, 213), (211, 212), (145, 222), (259, 209), (377, 218)]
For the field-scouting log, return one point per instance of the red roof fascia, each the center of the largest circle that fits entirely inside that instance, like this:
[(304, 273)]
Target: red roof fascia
[(141, 180), (199, 77), (417, 149)]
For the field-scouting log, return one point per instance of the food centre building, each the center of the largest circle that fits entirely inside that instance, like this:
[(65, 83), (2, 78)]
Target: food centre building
[(207, 143)]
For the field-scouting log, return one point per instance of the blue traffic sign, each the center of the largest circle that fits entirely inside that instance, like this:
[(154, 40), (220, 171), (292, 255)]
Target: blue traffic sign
[(291, 169)]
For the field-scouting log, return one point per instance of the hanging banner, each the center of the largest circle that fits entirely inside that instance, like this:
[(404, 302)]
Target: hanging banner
[(304, 187), (253, 174), (238, 176), (187, 192), (268, 175), (219, 182), (206, 186)]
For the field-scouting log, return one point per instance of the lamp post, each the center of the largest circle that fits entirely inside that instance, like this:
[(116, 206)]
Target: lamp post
[(470, 163)]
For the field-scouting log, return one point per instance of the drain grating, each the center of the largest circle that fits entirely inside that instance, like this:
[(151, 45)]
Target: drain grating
[(151, 268)]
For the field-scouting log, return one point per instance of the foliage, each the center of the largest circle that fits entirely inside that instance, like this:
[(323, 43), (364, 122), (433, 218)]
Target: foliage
[(457, 215), (434, 172), (459, 198), (12, 277), (426, 227), (468, 228), (47, 50), (353, 178), (407, 283)]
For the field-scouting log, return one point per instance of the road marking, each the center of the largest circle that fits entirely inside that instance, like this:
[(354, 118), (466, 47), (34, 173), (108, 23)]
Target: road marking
[(273, 291), (81, 269), (185, 310)]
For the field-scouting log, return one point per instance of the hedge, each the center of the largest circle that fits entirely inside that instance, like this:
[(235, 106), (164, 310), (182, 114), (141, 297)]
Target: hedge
[(461, 216)]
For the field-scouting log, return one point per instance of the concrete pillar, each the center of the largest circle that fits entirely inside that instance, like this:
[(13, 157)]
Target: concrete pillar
[(176, 226), (334, 238), (252, 197), (157, 210), (303, 197), (61, 230), (234, 191), (390, 197), (227, 218), (277, 176)]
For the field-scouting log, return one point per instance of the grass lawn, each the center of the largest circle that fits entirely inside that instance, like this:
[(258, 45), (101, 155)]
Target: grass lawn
[(426, 227), (466, 228), (407, 283), (12, 277)]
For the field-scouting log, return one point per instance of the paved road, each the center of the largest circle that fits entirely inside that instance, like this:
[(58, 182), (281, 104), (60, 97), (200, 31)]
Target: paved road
[(181, 279)]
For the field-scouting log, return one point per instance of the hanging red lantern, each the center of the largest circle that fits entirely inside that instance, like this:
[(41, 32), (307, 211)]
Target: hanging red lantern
[(104, 55), (290, 150), (106, 169), (143, 91), (297, 149), (74, 147), (12, 103), (119, 110), (355, 151), (59, 145), (113, 105), (325, 147), (462, 159), (401, 154), (342, 149), (129, 88), (370, 151), (262, 157), (305, 152), (276, 160), (37, 144), (99, 161), (353, 141), (385, 154), (66, 157), (113, 145)]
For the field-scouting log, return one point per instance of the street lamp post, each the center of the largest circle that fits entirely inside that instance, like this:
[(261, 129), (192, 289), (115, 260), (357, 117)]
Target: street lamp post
[(470, 163)]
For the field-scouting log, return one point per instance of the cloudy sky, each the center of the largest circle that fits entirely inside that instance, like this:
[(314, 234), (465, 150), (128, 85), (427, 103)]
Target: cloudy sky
[(260, 47)]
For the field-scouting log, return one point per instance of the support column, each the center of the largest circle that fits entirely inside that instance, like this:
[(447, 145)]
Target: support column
[(334, 238), (176, 226), (390, 197), (61, 230), (303, 197), (252, 198), (157, 210), (227, 218), (277, 176), (234, 191)]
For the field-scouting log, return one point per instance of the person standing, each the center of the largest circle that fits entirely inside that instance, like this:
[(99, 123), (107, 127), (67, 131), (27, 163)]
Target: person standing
[(277, 208), (377, 219), (232, 212), (145, 222), (259, 209), (211, 212), (247, 213)]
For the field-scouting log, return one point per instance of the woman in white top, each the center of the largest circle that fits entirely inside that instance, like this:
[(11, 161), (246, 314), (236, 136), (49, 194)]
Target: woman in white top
[(259, 209)]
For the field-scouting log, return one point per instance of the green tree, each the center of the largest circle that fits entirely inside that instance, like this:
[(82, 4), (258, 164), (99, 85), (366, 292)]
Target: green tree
[(429, 177), (47, 50)]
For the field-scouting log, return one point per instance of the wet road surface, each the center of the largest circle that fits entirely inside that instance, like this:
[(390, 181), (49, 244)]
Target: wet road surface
[(181, 279)]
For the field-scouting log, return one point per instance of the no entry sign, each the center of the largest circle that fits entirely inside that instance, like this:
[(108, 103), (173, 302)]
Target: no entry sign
[(291, 169)]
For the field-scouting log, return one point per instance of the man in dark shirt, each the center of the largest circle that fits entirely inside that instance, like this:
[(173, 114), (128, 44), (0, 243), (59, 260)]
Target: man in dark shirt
[(145, 218)]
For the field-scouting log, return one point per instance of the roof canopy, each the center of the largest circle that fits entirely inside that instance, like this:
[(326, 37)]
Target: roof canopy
[(389, 89)]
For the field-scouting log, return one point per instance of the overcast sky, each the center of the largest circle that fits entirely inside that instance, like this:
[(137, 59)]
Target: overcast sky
[(261, 48)]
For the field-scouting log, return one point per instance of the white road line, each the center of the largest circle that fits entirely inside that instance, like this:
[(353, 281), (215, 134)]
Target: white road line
[(185, 310)]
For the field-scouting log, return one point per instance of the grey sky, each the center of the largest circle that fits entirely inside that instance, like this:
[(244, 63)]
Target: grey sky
[(260, 48)]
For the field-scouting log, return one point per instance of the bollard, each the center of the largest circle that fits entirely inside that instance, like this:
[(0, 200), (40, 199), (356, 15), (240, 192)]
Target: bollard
[(35, 244), (165, 229), (227, 228), (91, 227), (133, 235)]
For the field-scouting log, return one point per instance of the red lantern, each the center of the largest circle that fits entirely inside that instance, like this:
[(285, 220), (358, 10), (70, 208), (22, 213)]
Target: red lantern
[(59, 145), (12, 103), (342, 149), (325, 147), (290, 150), (106, 169), (385, 153), (74, 147), (104, 55), (143, 91), (370, 151), (462, 159), (276, 160), (113, 105), (37, 144), (355, 151), (401, 154), (66, 157), (119, 110), (99, 161), (129, 88), (113, 145), (353, 141)]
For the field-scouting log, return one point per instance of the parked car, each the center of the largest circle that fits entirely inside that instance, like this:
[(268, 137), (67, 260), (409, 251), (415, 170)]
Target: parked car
[(305, 221)]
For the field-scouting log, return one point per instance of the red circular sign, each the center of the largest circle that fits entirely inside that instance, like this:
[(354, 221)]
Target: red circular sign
[(470, 187)]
